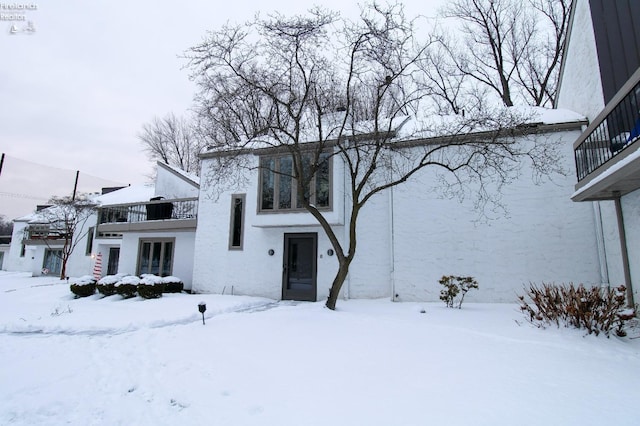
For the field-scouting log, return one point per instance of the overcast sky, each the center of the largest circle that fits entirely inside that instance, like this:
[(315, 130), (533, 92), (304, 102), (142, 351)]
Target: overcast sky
[(80, 78)]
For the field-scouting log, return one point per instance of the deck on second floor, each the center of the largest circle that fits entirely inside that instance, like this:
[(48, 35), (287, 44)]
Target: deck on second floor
[(157, 215), (607, 154)]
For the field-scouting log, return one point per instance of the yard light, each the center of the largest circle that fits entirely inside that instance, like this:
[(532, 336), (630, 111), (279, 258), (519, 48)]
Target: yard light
[(202, 307)]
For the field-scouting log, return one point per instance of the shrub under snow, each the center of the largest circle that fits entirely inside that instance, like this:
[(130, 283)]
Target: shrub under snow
[(172, 284), (127, 286), (150, 286), (83, 286), (107, 284)]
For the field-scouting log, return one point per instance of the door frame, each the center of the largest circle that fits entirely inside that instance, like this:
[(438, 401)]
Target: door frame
[(292, 294)]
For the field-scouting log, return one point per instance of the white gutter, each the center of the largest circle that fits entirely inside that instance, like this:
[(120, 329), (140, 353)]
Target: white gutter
[(345, 239), (602, 253), (392, 260)]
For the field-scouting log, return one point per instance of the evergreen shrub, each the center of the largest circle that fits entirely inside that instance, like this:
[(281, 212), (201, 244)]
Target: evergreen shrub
[(84, 286)]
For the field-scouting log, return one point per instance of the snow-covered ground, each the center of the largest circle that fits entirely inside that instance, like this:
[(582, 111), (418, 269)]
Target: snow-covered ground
[(256, 362)]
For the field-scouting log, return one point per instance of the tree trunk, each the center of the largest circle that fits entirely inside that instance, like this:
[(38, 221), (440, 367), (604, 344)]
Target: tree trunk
[(334, 291)]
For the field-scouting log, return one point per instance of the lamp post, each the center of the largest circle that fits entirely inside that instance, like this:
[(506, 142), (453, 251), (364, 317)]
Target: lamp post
[(202, 307)]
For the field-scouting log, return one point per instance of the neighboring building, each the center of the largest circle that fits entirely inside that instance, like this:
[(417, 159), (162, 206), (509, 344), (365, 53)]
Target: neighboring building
[(136, 230), (600, 78), (250, 242), (5, 244), (150, 229), (36, 245)]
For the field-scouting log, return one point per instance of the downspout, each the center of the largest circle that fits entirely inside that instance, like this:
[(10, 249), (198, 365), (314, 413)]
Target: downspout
[(345, 239), (623, 249), (602, 253), (392, 260)]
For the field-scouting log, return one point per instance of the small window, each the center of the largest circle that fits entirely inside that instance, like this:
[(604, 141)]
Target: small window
[(236, 228), (89, 242), (23, 249)]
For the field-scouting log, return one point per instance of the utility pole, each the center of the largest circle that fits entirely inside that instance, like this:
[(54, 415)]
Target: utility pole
[(75, 186)]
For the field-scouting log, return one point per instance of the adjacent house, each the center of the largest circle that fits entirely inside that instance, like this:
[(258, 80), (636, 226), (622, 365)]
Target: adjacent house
[(135, 230), (150, 229), (37, 242), (600, 78)]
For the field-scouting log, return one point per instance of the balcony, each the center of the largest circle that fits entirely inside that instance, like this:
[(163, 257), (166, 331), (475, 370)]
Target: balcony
[(44, 233), (157, 215), (607, 154)]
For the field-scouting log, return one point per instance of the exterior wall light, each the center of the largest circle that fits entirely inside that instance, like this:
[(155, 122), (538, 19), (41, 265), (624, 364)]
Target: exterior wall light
[(330, 252), (271, 252)]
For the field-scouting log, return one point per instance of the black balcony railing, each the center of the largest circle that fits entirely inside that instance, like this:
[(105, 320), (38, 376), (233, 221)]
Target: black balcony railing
[(178, 209), (617, 127)]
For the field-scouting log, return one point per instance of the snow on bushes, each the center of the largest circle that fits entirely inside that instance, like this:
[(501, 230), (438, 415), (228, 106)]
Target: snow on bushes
[(107, 284), (173, 284), (127, 286), (150, 286), (83, 286), (594, 309)]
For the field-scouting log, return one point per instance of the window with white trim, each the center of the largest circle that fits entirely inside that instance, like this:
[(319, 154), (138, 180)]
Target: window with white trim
[(156, 256)]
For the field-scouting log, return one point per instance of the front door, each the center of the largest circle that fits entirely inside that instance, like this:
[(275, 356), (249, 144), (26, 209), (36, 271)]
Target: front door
[(114, 257), (299, 267)]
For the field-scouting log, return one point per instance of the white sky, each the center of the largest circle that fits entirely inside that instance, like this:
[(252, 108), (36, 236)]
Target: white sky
[(75, 93)]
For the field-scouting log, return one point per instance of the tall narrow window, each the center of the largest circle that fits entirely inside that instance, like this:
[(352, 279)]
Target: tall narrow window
[(237, 222), (89, 241)]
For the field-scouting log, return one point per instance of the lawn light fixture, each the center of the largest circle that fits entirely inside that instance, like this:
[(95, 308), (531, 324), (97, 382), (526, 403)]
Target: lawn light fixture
[(202, 307)]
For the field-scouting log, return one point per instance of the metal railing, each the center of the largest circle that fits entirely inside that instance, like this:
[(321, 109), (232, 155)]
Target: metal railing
[(615, 128), (177, 209)]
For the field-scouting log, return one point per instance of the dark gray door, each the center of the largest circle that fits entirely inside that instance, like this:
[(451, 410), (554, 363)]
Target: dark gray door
[(299, 268), (114, 257)]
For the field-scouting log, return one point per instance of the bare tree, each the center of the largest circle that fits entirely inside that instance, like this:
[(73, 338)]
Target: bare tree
[(511, 47), (297, 72), (66, 220), (172, 140), (6, 227)]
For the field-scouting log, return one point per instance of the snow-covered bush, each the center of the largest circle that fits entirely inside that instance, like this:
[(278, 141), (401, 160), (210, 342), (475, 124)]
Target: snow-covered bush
[(127, 286), (172, 284), (107, 284), (150, 286), (454, 286), (83, 286), (595, 309)]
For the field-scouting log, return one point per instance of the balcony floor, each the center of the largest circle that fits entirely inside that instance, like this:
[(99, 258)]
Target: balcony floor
[(618, 176)]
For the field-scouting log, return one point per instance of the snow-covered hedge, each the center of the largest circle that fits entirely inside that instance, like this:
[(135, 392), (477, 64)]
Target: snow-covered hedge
[(107, 284), (150, 286), (172, 284), (127, 286), (83, 286)]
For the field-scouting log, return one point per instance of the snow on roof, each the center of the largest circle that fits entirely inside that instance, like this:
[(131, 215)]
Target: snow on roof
[(129, 194), (420, 127), (188, 176)]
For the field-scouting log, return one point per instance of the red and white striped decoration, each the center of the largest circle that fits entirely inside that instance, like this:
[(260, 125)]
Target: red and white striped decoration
[(97, 267)]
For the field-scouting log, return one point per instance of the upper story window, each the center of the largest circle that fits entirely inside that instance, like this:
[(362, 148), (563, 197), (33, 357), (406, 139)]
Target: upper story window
[(278, 190)]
